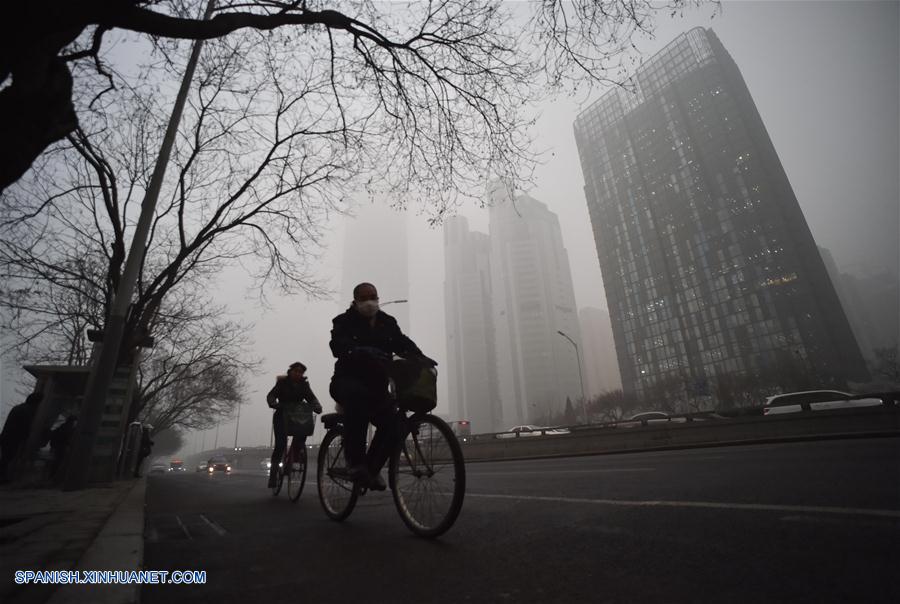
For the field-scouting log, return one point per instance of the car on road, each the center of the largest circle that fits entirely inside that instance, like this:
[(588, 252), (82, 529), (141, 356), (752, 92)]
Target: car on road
[(647, 418), (532, 430), (177, 466), (817, 400), (265, 464), (201, 467), (159, 468), (650, 417), (218, 464)]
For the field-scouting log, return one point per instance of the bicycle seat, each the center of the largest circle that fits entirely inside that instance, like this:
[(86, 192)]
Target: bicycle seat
[(330, 420)]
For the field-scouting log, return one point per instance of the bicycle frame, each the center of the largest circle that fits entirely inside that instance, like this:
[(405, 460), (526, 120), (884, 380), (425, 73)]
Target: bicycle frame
[(405, 422), (292, 454)]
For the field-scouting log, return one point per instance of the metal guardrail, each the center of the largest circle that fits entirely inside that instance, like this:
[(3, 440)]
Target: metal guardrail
[(616, 437), (891, 399)]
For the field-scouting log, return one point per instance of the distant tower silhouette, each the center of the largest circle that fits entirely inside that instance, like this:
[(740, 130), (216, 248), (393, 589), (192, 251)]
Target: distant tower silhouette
[(471, 356), (533, 299), (375, 250)]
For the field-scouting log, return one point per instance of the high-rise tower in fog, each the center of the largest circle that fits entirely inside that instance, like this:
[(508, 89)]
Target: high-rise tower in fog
[(533, 299), (471, 359), (709, 267), (375, 250), (601, 366)]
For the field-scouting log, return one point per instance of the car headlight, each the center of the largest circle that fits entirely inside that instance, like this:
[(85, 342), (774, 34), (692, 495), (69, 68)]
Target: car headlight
[(228, 468), (209, 469)]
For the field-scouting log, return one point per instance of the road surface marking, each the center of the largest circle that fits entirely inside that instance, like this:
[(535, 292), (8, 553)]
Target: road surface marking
[(183, 528), (552, 471), (222, 532), (702, 504), (876, 523)]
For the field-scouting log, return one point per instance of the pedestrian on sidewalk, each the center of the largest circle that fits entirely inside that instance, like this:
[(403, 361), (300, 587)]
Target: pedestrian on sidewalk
[(60, 437), (16, 430), (146, 448)]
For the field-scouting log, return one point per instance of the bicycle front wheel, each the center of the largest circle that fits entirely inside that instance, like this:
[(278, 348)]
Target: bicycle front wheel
[(279, 480), (296, 476), (337, 493), (428, 476)]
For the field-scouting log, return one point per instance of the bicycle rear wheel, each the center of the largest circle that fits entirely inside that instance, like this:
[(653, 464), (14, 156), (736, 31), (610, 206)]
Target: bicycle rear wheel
[(296, 476), (428, 476), (337, 493)]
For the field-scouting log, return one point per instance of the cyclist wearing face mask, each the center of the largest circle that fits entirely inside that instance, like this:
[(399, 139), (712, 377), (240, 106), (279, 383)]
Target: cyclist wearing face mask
[(363, 339)]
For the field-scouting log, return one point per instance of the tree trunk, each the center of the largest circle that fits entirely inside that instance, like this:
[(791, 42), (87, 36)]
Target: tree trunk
[(36, 107)]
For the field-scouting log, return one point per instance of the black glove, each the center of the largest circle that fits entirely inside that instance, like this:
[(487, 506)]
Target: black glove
[(317, 408), (429, 362)]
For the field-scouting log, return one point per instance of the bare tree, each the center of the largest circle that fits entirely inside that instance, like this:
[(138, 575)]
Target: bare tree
[(190, 378), (167, 442), (612, 405), (194, 376), (452, 74), (250, 186)]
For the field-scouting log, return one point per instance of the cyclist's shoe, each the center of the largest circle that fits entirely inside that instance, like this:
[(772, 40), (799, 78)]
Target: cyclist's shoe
[(376, 483), (355, 473)]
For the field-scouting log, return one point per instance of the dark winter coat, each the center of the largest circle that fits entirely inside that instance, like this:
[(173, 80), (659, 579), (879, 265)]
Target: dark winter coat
[(352, 335), (287, 391)]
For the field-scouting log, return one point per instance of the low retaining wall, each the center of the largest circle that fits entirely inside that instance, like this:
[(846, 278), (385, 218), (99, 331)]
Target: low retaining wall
[(669, 435)]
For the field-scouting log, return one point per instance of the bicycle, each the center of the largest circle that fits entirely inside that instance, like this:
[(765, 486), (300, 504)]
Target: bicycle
[(293, 466), (426, 473)]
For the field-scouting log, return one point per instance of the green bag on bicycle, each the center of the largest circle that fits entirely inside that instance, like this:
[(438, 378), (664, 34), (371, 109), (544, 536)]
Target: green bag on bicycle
[(298, 419), (416, 385)]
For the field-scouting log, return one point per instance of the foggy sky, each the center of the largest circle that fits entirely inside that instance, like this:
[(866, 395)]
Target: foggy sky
[(824, 76)]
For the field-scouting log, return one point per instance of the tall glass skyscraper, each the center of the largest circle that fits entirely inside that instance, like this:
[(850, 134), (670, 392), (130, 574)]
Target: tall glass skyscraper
[(471, 367), (711, 273), (533, 300)]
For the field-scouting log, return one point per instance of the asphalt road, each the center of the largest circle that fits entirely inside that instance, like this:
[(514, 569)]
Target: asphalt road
[(796, 522)]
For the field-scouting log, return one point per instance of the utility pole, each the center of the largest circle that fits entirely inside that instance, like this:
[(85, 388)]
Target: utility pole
[(104, 368), (580, 378)]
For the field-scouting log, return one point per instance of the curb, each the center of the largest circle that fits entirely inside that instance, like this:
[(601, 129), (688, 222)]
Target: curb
[(118, 546)]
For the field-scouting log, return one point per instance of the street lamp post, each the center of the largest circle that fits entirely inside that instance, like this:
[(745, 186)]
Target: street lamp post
[(580, 378), (237, 426), (103, 368)]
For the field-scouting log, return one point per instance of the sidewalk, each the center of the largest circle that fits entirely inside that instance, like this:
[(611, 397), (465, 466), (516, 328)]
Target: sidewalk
[(93, 529)]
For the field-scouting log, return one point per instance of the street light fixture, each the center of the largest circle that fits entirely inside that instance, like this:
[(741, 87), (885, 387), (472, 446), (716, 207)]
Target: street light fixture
[(580, 378)]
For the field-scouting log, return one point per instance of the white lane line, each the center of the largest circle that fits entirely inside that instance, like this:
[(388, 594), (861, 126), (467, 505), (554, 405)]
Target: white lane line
[(701, 504), (183, 528), (222, 532), (552, 471)]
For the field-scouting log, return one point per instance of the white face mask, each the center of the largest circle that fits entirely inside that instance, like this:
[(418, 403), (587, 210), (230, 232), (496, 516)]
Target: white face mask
[(368, 308)]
